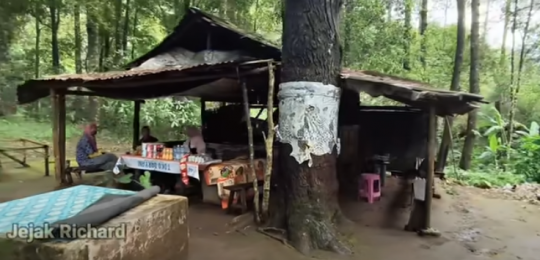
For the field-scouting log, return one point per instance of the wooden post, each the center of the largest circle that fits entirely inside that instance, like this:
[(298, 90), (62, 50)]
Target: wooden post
[(59, 134), (203, 114), (251, 152), (269, 141), (432, 139), (136, 123), (62, 133), (46, 159), (24, 151)]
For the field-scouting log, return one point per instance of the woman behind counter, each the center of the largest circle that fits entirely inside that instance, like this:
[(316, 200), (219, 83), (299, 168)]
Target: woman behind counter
[(195, 142)]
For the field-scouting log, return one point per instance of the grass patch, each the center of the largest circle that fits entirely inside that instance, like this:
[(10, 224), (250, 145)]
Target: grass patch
[(14, 127), (485, 180)]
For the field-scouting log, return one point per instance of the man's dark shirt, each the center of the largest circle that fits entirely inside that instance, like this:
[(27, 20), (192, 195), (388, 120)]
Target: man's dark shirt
[(148, 139)]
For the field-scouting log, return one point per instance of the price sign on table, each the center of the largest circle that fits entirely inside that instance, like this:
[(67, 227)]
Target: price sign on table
[(193, 170)]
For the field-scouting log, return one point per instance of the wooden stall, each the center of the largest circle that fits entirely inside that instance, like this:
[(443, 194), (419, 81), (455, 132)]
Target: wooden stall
[(240, 76)]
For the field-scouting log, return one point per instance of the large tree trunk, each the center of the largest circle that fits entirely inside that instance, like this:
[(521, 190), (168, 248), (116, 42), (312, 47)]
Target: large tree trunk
[(474, 85), (458, 60), (309, 101)]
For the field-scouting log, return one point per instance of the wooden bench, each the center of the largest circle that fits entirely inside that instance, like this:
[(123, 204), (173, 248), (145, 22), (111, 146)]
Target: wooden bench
[(241, 202), (79, 170)]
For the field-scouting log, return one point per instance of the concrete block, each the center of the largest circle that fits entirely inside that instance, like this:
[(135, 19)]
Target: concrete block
[(156, 229)]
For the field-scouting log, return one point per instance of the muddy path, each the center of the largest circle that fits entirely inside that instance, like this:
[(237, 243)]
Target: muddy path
[(473, 224)]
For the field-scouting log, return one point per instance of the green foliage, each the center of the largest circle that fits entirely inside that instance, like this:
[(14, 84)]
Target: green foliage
[(528, 158), (486, 180), (519, 158), (144, 179)]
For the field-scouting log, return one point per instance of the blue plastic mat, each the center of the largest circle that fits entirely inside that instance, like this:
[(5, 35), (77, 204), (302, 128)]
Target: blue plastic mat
[(52, 206)]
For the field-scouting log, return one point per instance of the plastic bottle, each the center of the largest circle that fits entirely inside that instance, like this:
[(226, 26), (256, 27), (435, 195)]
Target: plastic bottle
[(175, 153)]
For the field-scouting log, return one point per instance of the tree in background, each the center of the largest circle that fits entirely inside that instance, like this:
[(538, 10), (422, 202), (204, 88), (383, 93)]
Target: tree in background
[(474, 85), (458, 61), (308, 207)]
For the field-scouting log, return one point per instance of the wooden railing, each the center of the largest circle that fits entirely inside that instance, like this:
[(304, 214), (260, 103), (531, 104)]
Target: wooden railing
[(27, 145)]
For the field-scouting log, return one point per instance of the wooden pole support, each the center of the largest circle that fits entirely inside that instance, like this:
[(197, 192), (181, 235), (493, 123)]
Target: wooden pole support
[(136, 123), (432, 139)]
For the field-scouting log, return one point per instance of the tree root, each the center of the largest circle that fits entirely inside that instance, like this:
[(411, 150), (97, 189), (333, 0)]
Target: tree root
[(270, 232), (324, 236)]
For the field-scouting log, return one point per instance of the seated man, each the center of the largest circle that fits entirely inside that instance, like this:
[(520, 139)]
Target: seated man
[(88, 154), (146, 136)]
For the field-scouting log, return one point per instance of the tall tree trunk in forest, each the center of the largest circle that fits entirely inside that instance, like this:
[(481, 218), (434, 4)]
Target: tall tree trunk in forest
[(513, 48), (407, 34), (389, 8), (507, 6), (349, 6), (54, 14), (37, 54), (104, 61), (458, 61), (308, 105), (474, 85), (514, 90), (255, 18), (78, 38), (37, 47), (486, 22), (92, 57), (187, 5), (134, 32), (502, 85), (230, 10), (423, 28), (105, 48), (125, 29), (508, 136), (79, 108), (117, 33)]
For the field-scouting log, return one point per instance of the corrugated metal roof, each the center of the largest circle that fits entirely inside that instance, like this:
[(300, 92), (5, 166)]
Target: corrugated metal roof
[(112, 75), (381, 78)]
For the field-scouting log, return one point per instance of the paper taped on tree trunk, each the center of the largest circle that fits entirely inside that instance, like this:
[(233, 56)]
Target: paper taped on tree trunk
[(419, 187), (308, 118)]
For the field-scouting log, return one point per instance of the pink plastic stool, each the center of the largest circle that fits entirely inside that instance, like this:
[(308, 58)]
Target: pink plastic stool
[(370, 187)]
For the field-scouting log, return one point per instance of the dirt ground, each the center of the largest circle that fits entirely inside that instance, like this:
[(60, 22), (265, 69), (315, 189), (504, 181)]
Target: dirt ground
[(474, 225)]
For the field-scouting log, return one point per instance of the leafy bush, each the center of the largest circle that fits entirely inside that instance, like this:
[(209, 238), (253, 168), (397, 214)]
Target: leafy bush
[(528, 159), (486, 180)]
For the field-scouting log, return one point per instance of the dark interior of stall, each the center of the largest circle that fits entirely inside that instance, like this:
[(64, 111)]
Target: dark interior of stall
[(380, 139), (224, 129), (374, 139)]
